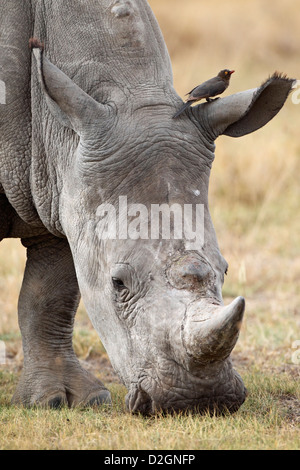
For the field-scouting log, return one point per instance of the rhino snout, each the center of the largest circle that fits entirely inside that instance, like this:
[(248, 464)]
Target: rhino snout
[(195, 372)]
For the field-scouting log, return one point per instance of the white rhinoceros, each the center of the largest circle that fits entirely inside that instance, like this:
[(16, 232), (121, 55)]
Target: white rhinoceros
[(87, 136)]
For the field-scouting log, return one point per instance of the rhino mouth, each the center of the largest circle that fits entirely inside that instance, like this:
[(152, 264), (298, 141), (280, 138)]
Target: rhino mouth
[(138, 401), (215, 397)]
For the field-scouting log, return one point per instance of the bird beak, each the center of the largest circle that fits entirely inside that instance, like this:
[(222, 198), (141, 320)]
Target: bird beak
[(231, 71)]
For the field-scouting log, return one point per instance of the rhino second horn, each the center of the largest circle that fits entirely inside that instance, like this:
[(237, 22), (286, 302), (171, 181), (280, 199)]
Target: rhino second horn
[(214, 338)]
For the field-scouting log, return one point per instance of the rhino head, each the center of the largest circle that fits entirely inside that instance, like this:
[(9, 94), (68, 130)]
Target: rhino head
[(156, 301)]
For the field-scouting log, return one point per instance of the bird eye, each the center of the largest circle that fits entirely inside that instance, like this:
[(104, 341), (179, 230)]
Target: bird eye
[(226, 73)]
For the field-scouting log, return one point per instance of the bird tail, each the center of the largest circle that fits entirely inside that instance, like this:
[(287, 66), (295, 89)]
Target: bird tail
[(183, 108)]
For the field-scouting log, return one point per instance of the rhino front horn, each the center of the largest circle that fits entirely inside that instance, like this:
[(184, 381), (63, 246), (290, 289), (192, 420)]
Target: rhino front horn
[(211, 336)]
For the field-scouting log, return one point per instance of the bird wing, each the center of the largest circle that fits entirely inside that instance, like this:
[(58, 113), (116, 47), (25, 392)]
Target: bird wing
[(191, 91), (212, 87), (203, 87)]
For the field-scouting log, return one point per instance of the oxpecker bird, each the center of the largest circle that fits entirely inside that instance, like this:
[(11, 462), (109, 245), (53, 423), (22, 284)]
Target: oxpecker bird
[(212, 87)]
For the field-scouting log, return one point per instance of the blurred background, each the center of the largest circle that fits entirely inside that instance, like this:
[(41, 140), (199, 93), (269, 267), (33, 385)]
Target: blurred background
[(255, 181)]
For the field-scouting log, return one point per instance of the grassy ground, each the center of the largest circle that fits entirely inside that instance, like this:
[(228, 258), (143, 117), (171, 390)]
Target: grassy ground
[(265, 422), (254, 198)]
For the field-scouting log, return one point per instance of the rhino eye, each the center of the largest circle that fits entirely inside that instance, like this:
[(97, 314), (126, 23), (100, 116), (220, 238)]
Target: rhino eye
[(118, 284)]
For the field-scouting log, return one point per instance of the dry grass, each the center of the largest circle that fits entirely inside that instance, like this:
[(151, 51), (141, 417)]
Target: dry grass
[(269, 420), (254, 198)]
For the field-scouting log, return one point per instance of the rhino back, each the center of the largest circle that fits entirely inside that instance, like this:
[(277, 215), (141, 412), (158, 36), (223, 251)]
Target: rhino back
[(15, 108)]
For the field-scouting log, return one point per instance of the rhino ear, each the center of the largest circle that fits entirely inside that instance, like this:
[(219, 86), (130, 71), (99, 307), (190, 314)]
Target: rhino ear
[(67, 102), (247, 111)]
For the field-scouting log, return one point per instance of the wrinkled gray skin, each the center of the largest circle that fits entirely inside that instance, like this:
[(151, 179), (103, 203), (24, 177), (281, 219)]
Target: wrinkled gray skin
[(89, 120)]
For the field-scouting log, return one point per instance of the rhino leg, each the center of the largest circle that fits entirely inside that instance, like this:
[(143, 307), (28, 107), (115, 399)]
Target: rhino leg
[(52, 375)]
